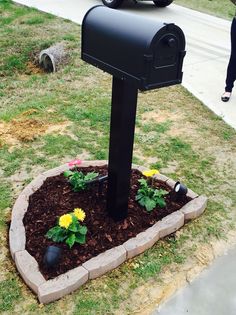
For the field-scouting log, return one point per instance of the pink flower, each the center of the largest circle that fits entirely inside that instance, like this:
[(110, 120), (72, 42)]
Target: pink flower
[(74, 163)]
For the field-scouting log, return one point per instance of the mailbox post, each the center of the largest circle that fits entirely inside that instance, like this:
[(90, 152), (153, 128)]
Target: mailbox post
[(123, 113), (140, 54)]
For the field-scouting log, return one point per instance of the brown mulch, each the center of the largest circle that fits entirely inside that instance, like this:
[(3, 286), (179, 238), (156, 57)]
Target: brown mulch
[(55, 197)]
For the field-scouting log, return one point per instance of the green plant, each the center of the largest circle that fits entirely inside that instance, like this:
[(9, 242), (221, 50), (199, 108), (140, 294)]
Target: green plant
[(78, 180), (149, 197), (69, 229)]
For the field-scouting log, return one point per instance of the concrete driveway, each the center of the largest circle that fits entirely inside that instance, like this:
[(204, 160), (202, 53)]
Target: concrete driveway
[(208, 45), (212, 293)]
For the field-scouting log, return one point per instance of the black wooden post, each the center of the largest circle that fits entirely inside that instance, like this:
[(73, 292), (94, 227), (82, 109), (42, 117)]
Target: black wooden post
[(122, 126)]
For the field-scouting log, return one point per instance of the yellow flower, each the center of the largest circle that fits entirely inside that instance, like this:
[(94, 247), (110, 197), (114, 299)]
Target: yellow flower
[(80, 214), (65, 220), (150, 173)]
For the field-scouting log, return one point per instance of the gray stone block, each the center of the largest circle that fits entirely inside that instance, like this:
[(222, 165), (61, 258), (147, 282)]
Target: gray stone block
[(20, 207), (141, 168), (106, 261), (94, 163), (56, 171), (64, 284), (16, 237), (170, 223), (28, 268), (27, 191), (161, 177), (65, 167), (135, 166), (37, 183), (171, 183), (191, 194), (194, 208), (141, 242)]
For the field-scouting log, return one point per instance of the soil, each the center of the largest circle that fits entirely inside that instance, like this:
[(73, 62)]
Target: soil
[(56, 197), (25, 129)]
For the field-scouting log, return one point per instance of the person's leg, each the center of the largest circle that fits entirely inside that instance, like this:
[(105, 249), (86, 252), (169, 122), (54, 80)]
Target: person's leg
[(231, 71)]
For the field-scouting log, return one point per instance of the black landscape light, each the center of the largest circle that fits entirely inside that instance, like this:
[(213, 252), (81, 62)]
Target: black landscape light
[(52, 256), (140, 54), (100, 181), (180, 190)]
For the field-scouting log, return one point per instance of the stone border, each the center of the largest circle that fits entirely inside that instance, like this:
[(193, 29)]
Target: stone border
[(51, 290)]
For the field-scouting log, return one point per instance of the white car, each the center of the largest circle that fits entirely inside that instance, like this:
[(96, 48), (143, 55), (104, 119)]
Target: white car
[(117, 3)]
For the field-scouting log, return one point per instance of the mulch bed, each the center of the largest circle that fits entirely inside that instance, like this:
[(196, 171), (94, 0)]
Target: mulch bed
[(55, 198)]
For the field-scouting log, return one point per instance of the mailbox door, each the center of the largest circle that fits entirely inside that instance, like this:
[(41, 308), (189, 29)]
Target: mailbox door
[(167, 51)]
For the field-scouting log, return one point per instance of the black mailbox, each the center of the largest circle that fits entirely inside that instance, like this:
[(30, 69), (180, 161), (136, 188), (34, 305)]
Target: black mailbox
[(140, 54), (146, 52)]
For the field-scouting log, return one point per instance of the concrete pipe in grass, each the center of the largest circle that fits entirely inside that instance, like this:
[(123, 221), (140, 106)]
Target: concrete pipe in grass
[(51, 58)]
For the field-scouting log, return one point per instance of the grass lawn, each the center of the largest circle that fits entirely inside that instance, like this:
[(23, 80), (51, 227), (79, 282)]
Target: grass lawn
[(220, 8), (49, 119)]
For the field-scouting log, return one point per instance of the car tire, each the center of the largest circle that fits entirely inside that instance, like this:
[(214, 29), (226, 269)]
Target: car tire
[(112, 3), (162, 3)]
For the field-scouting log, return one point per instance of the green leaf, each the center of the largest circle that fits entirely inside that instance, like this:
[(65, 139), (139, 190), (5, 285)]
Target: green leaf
[(142, 201), (68, 173), (51, 232), (150, 204), (143, 182), (74, 227), (160, 193), (57, 234), (70, 241), (149, 197), (80, 239), (90, 176), (78, 179), (161, 202), (60, 236), (83, 229)]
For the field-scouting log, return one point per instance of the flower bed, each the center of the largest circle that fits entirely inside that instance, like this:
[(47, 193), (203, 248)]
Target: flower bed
[(107, 245)]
